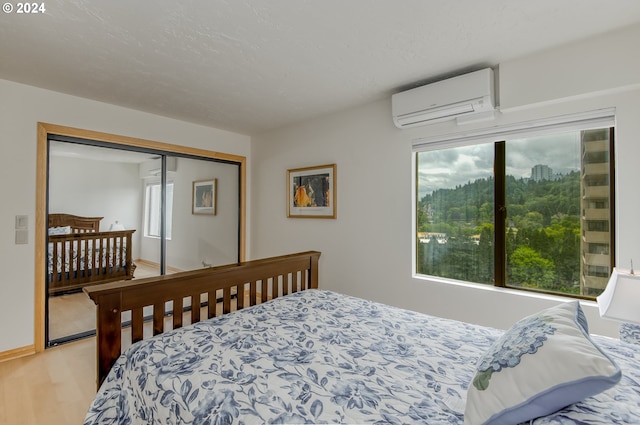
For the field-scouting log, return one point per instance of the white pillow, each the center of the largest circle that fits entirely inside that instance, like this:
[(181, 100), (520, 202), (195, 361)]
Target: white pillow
[(545, 362), (64, 230)]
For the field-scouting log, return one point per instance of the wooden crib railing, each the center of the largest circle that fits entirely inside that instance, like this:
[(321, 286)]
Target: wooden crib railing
[(174, 296), (81, 259)]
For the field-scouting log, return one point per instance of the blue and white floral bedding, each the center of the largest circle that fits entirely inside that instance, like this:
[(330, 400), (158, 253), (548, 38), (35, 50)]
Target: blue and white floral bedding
[(320, 357)]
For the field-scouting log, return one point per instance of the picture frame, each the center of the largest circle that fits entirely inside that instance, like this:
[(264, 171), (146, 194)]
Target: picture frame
[(311, 192), (204, 197)]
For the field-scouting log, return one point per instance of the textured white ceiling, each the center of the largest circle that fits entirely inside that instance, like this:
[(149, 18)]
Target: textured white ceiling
[(255, 65)]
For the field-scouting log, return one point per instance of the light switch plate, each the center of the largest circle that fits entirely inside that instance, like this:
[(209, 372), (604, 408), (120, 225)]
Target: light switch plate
[(22, 222), (22, 236)]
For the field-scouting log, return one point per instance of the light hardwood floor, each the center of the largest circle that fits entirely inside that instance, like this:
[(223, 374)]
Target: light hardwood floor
[(54, 387), (57, 386), (71, 314)]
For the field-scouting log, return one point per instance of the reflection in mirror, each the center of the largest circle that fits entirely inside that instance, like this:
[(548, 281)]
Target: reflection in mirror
[(205, 214), (102, 184), (194, 207)]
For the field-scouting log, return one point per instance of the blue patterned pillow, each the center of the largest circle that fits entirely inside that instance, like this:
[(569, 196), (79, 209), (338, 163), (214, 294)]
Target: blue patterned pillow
[(630, 333), (545, 362)]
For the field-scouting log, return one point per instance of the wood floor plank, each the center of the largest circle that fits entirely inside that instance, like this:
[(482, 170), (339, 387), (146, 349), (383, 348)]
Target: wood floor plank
[(56, 387), (71, 314), (52, 387)]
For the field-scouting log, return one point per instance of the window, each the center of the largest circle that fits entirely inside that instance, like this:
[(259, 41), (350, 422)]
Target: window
[(153, 202), (529, 213)]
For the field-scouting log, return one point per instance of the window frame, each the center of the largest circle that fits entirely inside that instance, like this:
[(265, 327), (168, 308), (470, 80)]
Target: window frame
[(147, 212), (498, 136)]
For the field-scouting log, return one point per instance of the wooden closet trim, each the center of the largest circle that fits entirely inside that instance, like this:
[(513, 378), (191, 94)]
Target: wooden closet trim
[(44, 129)]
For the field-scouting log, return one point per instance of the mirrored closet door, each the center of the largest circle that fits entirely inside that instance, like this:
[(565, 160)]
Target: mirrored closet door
[(116, 213)]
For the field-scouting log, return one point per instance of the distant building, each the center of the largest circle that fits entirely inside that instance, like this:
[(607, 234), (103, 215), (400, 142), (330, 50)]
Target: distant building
[(541, 172), (597, 248)]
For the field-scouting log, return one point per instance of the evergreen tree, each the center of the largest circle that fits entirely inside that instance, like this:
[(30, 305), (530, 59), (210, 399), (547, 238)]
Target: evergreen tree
[(543, 232)]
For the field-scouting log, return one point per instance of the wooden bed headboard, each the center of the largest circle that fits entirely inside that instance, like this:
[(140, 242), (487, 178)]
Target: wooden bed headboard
[(78, 224), (268, 278)]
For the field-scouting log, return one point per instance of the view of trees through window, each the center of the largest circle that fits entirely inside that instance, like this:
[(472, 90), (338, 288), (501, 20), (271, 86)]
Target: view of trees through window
[(557, 228)]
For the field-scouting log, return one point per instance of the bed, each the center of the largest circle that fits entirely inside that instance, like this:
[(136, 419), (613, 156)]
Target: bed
[(293, 353), (79, 254)]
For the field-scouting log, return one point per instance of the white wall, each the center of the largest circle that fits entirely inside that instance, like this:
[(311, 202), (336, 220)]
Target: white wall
[(79, 187), (367, 250), (598, 66), (21, 107), (212, 239)]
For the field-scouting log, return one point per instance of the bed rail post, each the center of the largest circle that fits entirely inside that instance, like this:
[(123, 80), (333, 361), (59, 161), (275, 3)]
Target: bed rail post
[(313, 271), (108, 333)]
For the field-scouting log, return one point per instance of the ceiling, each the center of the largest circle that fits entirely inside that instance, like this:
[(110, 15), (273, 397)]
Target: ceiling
[(251, 66)]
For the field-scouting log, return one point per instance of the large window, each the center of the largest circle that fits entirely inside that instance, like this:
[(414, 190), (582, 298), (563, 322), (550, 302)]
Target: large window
[(153, 208), (529, 213)]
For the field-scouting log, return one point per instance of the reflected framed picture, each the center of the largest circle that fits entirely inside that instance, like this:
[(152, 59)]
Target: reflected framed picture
[(311, 192), (203, 198)]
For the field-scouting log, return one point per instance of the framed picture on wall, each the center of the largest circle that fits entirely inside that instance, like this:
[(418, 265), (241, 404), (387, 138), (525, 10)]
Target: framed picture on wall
[(311, 192), (203, 199)]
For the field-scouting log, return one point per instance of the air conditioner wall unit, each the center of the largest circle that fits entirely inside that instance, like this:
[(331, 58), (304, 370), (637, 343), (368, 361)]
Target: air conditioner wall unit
[(456, 97)]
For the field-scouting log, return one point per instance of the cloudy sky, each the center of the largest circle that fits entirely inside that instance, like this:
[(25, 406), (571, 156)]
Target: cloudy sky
[(445, 169)]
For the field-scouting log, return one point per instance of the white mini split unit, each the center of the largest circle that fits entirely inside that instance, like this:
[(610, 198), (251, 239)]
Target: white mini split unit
[(467, 98)]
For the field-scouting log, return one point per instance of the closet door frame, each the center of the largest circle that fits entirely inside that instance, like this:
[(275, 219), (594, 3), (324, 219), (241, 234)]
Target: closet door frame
[(44, 130)]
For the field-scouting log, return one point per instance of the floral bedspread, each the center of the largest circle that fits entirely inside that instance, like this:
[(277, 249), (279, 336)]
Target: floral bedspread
[(320, 357)]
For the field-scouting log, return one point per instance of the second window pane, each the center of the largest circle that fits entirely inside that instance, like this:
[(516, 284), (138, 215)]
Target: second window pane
[(543, 207)]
